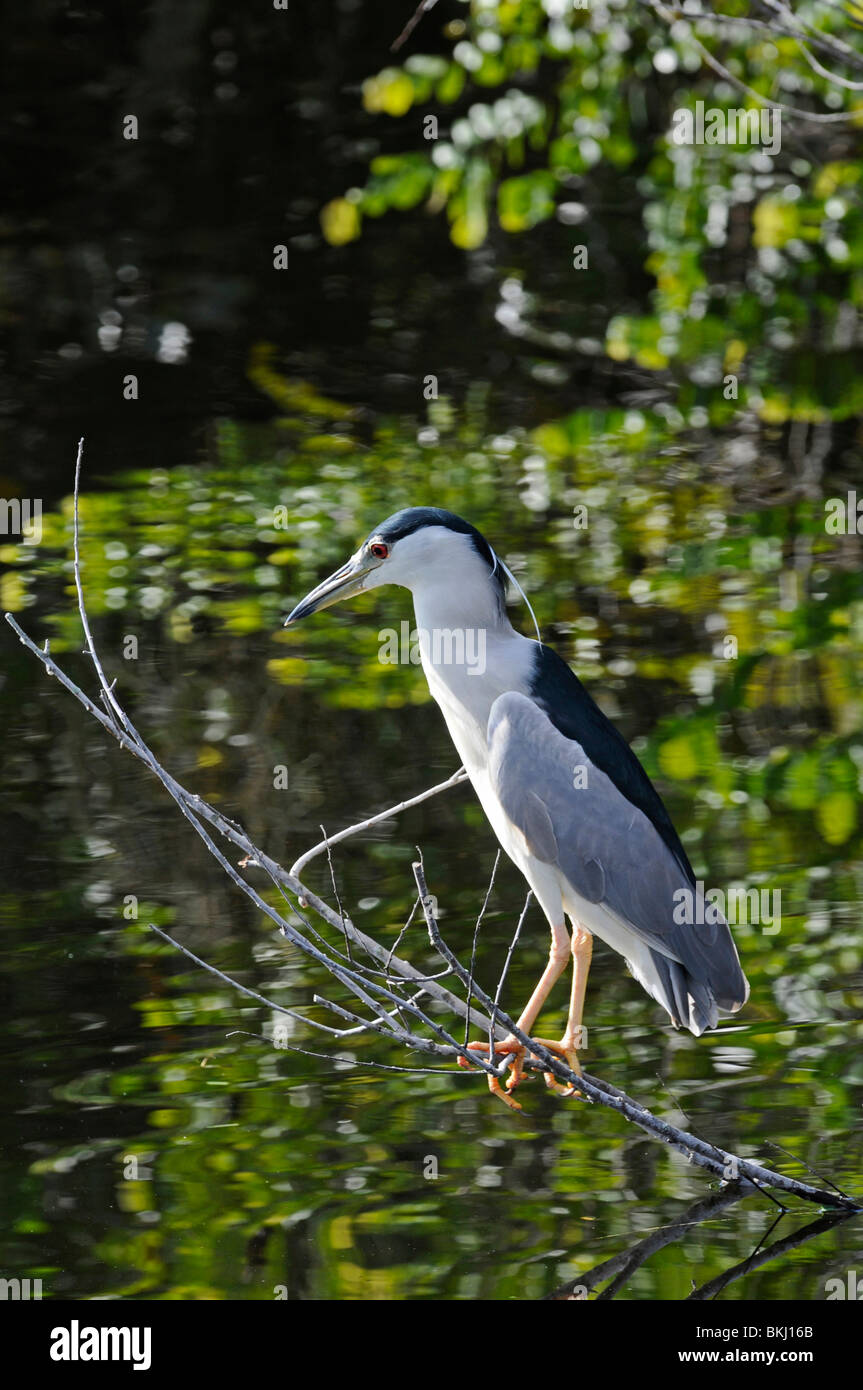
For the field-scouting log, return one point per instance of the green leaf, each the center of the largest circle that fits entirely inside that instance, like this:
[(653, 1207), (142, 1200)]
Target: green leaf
[(524, 201)]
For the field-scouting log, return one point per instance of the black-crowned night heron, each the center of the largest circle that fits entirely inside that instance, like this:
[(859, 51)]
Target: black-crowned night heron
[(565, 794)]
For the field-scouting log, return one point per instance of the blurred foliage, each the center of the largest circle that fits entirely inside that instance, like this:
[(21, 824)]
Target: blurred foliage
[(661, 538), (538, 105)]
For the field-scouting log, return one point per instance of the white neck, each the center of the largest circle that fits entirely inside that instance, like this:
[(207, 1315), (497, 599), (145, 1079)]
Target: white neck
[(441, 603), (471, 654)]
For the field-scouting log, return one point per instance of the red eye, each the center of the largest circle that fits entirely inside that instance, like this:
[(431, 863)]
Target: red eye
[(379, 550)]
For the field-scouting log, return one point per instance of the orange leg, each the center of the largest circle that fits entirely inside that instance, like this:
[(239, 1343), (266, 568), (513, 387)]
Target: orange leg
[(573, 1038), (557, 956)]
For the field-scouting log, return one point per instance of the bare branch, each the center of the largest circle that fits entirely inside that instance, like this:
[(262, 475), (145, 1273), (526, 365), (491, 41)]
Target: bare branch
[(422, 8), (505, 969), (472, 971), (299, 864)]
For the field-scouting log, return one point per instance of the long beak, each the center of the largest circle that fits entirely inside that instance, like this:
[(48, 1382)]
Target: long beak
[(346, 582)]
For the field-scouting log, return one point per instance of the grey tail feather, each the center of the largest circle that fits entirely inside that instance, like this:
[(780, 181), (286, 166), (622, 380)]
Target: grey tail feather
[(691, 1003)]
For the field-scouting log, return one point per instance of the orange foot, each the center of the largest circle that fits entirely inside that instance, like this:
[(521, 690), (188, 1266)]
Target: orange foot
[(509, 1045), (566, 1048)]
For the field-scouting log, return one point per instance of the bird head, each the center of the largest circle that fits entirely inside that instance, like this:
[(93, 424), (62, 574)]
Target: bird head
[(420, 548)]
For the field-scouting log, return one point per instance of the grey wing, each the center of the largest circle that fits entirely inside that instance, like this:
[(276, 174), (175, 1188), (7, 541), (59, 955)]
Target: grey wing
[(572, 815)]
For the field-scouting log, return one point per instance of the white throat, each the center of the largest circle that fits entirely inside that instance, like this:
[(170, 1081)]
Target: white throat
[(470, 654)]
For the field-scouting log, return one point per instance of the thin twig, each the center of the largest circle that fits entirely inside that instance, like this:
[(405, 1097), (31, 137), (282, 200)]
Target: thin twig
[(343, 1061), (505, 971), (299, 864), (472, 970), (337, 898), (422, 8)]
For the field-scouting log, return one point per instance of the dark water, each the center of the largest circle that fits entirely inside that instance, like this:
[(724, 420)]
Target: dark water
[(155, 1143)]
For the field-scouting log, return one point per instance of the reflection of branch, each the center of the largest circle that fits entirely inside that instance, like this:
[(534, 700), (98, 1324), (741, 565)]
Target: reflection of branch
[(763, 1257), (621, 1267), (390, 1012)]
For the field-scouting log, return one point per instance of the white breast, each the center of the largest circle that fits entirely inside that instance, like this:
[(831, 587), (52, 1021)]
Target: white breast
[(465, 697)]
